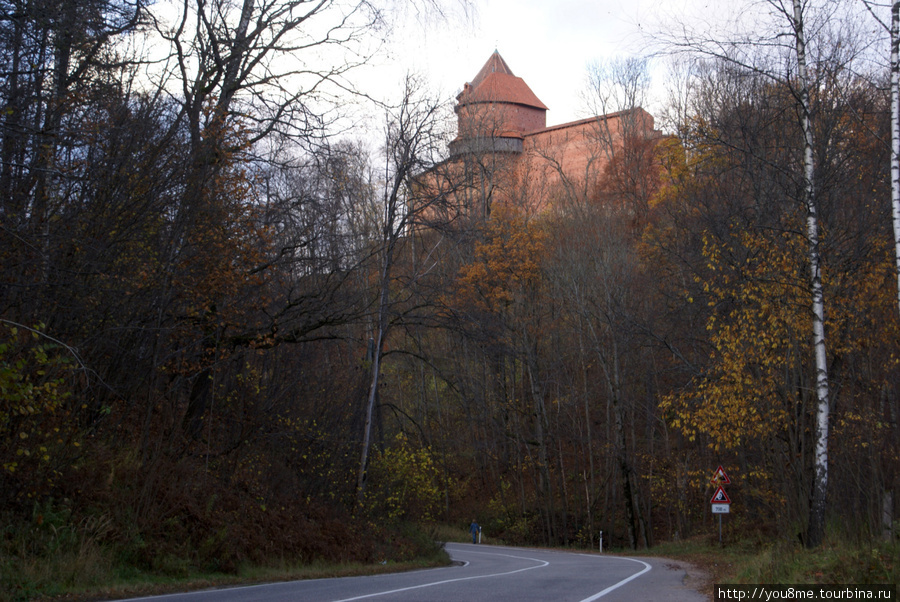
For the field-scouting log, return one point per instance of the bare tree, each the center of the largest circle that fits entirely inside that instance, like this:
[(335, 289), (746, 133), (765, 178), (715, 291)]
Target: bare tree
[(413, 145)]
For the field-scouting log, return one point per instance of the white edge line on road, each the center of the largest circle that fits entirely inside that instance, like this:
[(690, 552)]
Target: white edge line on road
[(406, 589), (614, 586), (218, 590)]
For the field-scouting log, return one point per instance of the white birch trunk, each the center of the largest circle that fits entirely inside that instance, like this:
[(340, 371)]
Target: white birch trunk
[(816, 527), (895, 195), (895, 134)]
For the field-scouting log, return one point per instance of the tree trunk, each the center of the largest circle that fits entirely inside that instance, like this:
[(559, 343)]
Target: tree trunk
[(376, 369), (622, 448), (895, 134), (816, 527), (545, 485), (589, 481)]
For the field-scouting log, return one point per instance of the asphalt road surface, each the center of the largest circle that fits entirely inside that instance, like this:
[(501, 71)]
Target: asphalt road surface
[(485, 573)]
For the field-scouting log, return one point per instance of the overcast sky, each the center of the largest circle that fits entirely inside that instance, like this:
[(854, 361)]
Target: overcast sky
[(548, 43), (551, 43)]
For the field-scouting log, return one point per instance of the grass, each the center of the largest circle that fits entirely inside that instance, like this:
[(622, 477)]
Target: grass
[(456, 534), (57, 559), (756, 561), (146, 584), (109, 582)]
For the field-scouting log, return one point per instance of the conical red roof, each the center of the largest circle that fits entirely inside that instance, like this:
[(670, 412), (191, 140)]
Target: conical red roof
[(495, 82), (495, 64)]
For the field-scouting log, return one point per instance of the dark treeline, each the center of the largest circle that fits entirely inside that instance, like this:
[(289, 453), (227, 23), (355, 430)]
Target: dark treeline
[(225, 336)]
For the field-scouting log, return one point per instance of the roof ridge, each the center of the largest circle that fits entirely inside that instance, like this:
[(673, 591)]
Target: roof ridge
[(494, 64), (496, 82), (584, 120)]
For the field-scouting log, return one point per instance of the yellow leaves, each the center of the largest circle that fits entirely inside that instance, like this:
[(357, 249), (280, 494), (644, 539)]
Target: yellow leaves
[(34, 408), (760, 330), (507, 263), (404, 482), (756, 280), (859, 429)]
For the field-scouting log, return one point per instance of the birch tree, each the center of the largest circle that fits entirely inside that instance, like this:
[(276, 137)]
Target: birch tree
[(752, 52), (895, 135), (894, 32), (816, 527)]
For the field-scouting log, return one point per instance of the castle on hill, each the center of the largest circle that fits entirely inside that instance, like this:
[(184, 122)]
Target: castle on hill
[(505, 151)]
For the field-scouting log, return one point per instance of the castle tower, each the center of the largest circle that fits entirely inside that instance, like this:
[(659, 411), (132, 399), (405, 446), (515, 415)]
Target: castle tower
[(495, 111)]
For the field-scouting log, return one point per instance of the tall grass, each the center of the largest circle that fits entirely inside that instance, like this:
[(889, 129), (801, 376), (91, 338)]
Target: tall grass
[(51, 555), (836, 562), (459, 534), (55, 553), (840, 560)]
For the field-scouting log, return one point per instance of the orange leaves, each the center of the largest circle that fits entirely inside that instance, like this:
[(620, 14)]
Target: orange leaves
[(747, 391), (507, 263), (759, 325), (862, 310)]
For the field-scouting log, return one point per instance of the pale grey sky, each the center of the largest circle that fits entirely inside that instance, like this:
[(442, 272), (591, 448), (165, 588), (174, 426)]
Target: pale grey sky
[(550, 43), (547, 43)]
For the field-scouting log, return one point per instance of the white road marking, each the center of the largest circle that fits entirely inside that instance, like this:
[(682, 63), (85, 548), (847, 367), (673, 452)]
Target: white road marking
[(542, 564), (614, 586)]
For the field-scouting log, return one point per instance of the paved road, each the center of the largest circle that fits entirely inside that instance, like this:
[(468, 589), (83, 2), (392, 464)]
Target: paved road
[(485, 573)]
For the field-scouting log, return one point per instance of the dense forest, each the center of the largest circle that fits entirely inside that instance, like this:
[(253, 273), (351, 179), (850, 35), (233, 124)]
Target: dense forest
[(229, 332)]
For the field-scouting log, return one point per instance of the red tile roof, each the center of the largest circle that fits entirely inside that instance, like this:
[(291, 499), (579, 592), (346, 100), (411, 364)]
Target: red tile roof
[(495, 82), (495, 64)]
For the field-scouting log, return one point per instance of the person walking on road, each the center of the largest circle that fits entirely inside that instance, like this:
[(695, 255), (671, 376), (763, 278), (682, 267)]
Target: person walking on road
[(474, 529)]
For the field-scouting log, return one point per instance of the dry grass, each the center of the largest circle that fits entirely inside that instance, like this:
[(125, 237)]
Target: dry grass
[(151, 585), (752, 561)]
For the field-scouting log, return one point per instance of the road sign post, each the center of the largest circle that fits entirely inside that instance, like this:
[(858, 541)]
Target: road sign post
[(720, 502)]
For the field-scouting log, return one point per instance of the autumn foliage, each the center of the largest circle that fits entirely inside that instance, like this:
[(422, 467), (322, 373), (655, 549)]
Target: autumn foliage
[(196, 290)]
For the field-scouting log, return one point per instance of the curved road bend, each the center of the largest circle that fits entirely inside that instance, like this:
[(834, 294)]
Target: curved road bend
[(487, 573)]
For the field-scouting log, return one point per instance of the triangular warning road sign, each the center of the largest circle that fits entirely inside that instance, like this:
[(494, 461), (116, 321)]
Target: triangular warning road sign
[(720, 478), (720, 497)]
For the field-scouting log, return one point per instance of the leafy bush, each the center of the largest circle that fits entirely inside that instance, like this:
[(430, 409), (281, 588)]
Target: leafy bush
[(403, 484), (38, 430)]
